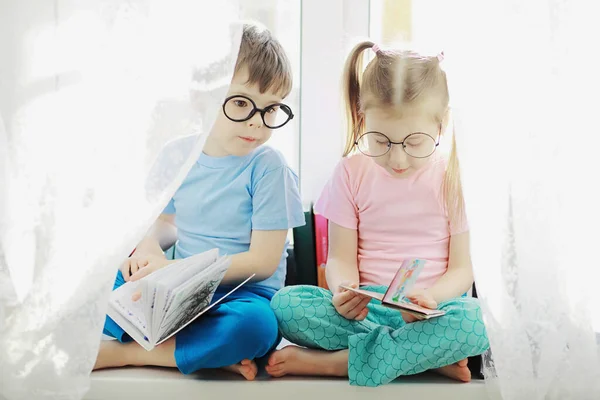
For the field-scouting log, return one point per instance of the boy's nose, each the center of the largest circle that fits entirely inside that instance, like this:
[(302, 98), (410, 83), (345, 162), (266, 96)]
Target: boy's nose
[(256, 121)]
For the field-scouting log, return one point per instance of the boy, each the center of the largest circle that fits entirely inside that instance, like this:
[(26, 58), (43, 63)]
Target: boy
[(240, 198)]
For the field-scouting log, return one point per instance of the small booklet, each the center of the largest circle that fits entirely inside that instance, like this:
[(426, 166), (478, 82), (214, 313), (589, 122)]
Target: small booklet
[(394, 297), (172, 297)]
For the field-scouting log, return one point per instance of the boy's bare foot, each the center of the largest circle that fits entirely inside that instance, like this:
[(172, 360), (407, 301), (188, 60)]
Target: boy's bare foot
[(293, 360), (458, 371), (111, 354), (246, 368)]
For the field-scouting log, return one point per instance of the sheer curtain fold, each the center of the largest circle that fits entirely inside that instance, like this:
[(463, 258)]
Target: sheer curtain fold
[(8, 297), (93, 93), (524, 88)]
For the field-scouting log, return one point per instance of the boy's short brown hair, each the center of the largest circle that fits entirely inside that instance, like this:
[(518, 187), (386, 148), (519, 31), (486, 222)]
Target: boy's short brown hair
[(265, 60)]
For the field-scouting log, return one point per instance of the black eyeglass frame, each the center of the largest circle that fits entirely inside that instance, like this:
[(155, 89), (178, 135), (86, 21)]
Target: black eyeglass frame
[(262, 111), (390, 143)]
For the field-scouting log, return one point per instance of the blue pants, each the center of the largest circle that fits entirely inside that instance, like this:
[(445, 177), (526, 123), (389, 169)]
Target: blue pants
[(242, 326)]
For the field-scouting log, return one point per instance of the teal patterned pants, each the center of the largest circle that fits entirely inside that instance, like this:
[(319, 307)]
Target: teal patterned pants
[(382, 347)]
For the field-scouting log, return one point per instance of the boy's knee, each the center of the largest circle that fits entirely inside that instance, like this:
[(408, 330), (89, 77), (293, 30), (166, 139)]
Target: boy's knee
[(258, 329), (119, 280)]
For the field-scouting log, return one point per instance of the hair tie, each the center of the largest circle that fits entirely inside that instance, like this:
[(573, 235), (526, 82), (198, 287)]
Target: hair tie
[(376, 48), (440, 56)]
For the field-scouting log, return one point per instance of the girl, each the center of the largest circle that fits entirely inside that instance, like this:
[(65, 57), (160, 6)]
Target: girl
[(395, 199)]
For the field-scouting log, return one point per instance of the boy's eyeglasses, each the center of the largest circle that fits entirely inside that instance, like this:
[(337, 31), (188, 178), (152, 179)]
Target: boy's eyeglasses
[(417, 145), (239, 108)]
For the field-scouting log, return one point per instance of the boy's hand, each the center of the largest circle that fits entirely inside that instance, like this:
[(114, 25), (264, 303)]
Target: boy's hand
[(136, 263), (150, 264), (349, 304), (145, 266), (422, 298)]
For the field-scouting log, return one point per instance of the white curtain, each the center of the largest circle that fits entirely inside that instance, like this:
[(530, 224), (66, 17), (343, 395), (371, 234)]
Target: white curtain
[(525, 87), (90, 92)]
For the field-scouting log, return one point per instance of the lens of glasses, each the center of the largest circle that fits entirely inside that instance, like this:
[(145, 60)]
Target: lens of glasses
[(277, 115), (419, 145), (238, 108), (373, 144)]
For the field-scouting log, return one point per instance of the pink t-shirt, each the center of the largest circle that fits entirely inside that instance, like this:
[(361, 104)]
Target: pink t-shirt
[(397, 219)]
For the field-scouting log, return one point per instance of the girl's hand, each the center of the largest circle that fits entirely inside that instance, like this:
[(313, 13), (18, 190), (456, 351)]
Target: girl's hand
[(349, 304), (422, 298)]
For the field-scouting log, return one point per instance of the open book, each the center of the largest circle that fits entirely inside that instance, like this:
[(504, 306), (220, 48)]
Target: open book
[(172, 297), (394, 297)]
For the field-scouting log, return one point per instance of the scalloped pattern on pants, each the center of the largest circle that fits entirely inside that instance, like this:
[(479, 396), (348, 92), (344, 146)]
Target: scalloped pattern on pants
[(382, 347)]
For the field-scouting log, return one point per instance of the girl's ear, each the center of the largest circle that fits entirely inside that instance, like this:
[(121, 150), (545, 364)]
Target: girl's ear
[(360, 126), (446, 120), (358, 129)]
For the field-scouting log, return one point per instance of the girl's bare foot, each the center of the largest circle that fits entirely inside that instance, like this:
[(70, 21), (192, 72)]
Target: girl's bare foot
[(293, 360), (246, 368), (458, 371)]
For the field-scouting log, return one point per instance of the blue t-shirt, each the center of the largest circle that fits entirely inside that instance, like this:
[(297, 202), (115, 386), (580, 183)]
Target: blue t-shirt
[(223, 199)]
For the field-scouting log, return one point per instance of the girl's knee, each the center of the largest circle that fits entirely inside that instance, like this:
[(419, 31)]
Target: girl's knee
[(282, 297), (463, 308), (466, 320), (290, 297), (280, 302), (295, 307)]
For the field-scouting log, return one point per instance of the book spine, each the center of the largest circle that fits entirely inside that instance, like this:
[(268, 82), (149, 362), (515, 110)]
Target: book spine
[(322, 247), (301, 270)]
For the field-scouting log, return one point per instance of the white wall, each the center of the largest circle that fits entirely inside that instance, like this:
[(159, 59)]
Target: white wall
[(329, 30), (17, 21)]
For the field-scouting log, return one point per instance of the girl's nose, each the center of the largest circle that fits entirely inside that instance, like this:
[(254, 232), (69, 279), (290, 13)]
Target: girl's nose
[(398, 156)]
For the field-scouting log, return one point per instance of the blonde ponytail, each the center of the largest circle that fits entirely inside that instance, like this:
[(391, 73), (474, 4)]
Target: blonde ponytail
[(351, 83), (452, 189)]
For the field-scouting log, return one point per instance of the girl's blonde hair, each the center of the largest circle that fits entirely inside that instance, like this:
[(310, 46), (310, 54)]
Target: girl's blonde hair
[(398, 82)]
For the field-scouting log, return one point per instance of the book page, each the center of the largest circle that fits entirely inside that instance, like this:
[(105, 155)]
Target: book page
[(368, 293), (148, 290), (403, 281), (179, 273), (151, 295), (133, 311), (403, 305), (416, 310), (422, 310), (161, 299), (207, 308), (192, 297), (185, 268), (128, 327)]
